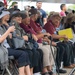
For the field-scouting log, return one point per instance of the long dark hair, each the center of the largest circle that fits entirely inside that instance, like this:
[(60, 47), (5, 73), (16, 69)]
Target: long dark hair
[(70, 21)]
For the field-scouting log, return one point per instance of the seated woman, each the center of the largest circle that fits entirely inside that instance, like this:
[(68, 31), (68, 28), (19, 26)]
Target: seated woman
[(16, 19), (22, 57)]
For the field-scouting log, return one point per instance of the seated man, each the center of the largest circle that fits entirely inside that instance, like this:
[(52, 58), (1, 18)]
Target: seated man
[(50, 27)]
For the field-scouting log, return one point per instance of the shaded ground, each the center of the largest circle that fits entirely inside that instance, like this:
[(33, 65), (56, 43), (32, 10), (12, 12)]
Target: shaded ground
[(68, 71)]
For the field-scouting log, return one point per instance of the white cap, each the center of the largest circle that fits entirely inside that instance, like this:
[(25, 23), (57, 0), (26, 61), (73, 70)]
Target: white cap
[(4, 13)]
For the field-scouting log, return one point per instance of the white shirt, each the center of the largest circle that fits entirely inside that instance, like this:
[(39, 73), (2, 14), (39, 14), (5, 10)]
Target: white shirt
[(5, 43)]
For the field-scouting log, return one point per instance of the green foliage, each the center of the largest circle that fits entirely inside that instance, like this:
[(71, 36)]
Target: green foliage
[(13, 4), (9, 1), (72, 7)]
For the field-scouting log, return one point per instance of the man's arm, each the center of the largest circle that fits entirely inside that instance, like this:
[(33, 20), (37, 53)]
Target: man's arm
[(45, 20), (41, 35), (59, 36), (44, 17)]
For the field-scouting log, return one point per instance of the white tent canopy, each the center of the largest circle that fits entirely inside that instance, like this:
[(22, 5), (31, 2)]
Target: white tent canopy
[(52, 1)]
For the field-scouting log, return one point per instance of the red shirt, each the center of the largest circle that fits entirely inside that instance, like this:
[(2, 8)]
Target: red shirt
[(29, 29), (49, 27), (35, 26)]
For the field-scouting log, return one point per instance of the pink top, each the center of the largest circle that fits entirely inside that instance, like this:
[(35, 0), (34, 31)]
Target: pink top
[(62, 14)]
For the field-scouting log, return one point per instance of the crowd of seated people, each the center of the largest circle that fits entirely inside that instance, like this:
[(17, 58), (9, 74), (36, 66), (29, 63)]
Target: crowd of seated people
[(45, 51)]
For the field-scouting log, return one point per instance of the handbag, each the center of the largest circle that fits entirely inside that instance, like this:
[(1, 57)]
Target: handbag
[(28, 45), (18, 42), (31, 44)]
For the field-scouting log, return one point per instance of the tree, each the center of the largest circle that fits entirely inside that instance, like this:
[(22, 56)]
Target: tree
[(11, 3), (72, 7)]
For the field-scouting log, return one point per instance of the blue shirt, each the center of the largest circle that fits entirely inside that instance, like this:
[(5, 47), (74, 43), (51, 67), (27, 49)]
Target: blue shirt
[(43, 15)]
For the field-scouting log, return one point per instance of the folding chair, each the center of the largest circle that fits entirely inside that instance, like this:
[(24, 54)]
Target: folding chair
[(13, 65), (72, 71), (5, 69), (8, 69)]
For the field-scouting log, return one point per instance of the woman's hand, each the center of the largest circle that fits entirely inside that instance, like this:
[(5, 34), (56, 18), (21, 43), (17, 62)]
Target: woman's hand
[(10, 36), (11, 29), (25, 38), (34, 37)]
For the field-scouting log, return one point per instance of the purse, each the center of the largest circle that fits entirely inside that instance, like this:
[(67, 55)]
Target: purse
[(28, 45), (31, 44), (18, 42)]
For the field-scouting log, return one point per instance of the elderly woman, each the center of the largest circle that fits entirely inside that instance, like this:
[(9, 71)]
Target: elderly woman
[(33, 53), (22, 57)]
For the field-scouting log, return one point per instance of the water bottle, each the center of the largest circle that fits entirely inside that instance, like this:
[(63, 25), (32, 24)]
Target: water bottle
[(54, 69)]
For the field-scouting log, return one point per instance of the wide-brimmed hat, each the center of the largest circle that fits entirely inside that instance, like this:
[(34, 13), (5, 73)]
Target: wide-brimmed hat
[(4, 13)]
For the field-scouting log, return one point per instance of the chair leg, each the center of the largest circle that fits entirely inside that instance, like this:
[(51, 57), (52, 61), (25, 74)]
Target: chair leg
[(14, 69), (8, 71), (3, 72), (72, 71)]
